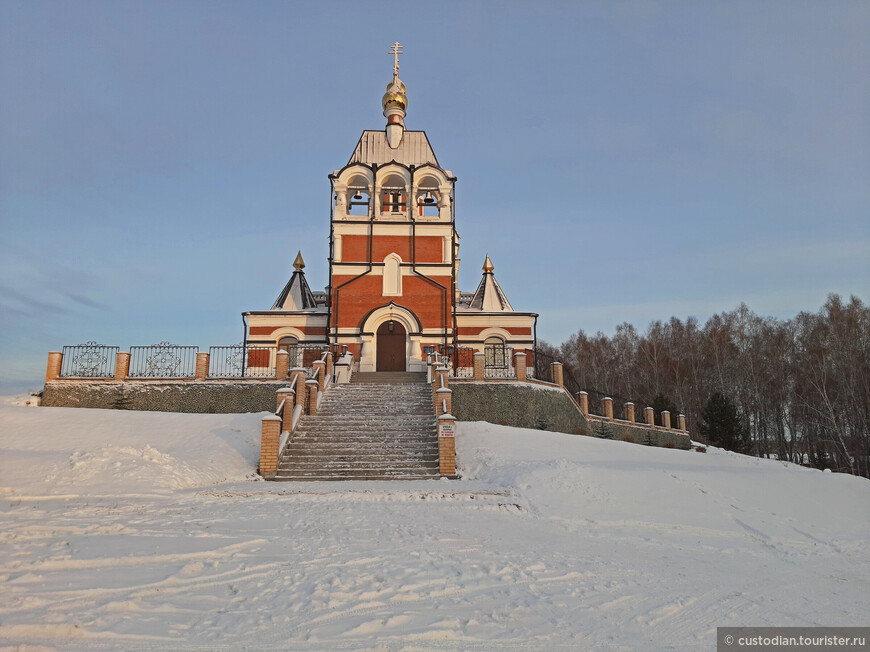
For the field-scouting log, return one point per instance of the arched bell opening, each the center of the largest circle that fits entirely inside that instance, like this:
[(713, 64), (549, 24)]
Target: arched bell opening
[(428, 197)]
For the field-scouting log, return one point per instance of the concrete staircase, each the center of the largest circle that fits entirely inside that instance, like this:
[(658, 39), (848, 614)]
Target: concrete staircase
[(378, 427)]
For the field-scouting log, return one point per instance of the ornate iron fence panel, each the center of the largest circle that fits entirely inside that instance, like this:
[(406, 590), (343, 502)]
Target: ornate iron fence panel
[(305, 355), (239, 361), (499, 363), (461, 362), (89, 360), (542, 366), (226, 361), (259, 361), (163, 360)]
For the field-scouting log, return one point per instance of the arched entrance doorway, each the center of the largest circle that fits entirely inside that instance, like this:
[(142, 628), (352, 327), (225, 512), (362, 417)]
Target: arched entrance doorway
[(391, 346)]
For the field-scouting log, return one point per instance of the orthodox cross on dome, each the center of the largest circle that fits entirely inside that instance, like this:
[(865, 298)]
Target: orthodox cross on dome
[(395, 50)]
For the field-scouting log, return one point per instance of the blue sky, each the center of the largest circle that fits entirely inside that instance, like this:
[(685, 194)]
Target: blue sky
[(162, 162)]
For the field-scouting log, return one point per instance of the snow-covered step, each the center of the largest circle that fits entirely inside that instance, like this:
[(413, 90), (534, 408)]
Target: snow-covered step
[(381, 427)]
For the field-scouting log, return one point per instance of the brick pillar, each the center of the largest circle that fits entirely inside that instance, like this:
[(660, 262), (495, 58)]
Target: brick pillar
[(122, 365), (52, 370), (288, 397), (311, 386), (556, 373), (520, 365), (298, 373), (628, 411), (479, 366), (649, 416), (285, 394), (319, 367), (447, 444), (442, 395), (201, 366), (584, 403), (666, 419), (329, 364), (607, 407), (282, 365), (270, 438), (681, 419)]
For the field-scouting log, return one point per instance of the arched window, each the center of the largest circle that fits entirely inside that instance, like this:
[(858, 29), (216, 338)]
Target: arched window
[(495, 352), (392, 276), (291, 345)]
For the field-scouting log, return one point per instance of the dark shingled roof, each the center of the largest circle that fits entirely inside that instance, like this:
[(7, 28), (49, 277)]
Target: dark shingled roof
[(306, 298)]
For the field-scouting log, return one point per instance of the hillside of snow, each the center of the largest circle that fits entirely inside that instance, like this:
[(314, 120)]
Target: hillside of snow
[(136, 530)]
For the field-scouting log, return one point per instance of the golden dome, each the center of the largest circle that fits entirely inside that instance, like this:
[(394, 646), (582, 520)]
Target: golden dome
[(396, 94)]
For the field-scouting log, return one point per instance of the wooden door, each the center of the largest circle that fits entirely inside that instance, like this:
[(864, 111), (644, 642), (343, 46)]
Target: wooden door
[(391, 347)]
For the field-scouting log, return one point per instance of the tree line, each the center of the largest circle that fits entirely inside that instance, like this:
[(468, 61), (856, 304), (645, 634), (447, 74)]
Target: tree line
[(795, 389)]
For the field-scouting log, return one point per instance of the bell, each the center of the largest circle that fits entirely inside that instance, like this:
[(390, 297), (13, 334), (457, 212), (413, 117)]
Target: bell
[(357, 196), (428, 199)]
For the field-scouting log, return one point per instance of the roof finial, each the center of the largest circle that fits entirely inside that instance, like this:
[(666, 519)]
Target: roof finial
[(396, 50), (487, 264), (299, 264), (395, 102)]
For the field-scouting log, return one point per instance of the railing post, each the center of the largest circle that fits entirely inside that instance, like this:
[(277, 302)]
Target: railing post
[(607, 407), (443, 396), (286, 396), (650, 416), (556, 373), (329, 363), (629, 412), (122, 365), (681, 419), (319, 370), (282, 364), (584, 403), (311, 388), (520, 365), (666, 419), (52, 370), (447, 444), (436, 377), (270, 438), (479, 366), (201, 372), (298, 374)]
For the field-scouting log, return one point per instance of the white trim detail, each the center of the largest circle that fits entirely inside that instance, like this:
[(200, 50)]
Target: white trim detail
[(392, 278)]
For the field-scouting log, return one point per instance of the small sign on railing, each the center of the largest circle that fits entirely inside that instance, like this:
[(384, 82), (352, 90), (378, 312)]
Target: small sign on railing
[(446, 429)]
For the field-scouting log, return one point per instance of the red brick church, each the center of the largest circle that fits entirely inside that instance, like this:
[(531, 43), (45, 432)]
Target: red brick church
[(393, 293)]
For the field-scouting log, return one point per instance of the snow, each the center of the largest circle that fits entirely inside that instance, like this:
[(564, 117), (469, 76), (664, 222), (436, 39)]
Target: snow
[(135, 530)]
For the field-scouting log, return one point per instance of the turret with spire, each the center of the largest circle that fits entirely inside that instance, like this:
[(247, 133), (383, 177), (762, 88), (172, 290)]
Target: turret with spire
[(296, 295), (489, 296)]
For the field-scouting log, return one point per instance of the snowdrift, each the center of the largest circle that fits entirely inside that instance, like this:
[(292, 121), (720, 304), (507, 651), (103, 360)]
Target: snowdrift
[(136, 530)]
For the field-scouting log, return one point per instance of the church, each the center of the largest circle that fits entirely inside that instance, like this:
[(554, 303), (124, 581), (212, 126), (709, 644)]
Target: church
[(392, 295)]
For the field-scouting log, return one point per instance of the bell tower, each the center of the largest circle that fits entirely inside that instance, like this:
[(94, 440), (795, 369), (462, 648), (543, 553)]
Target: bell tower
[(393, 243)]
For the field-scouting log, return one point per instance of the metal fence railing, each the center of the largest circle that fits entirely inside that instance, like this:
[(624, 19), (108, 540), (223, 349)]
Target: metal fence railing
[(305, 355), (163, 360), (89, 360), (499, 362), (240, 361)]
